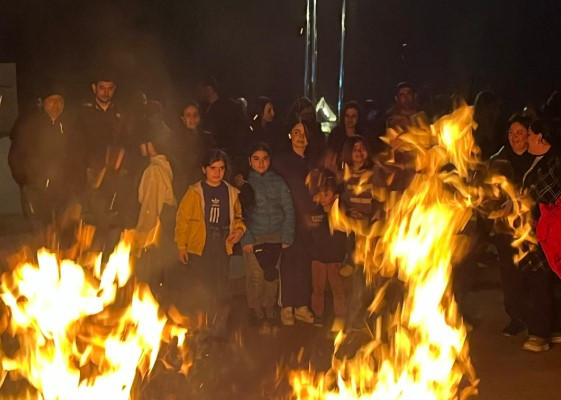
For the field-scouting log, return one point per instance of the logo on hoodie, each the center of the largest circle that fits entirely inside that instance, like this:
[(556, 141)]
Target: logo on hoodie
[(214, 211)]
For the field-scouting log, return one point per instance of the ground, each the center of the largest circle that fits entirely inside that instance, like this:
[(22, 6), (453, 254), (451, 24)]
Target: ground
[(249, 365)]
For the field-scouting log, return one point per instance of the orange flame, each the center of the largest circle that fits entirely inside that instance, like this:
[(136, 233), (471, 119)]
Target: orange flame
[(83, 333), (419, 351)]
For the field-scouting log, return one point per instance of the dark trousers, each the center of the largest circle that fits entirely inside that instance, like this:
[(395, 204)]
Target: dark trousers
[(512, 278), (542, 316), (207, 281), (295, 273)]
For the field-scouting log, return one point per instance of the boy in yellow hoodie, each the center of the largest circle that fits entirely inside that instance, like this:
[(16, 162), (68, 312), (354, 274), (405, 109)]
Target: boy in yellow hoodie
[(208, 224)]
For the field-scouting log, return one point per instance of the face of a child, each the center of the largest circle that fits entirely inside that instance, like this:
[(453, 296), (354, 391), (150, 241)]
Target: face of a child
[(215, 173), (260, 161), (359, 154), (298, 136), (326, 197)]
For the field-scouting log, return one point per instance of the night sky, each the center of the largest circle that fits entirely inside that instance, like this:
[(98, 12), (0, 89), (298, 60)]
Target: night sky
[(253, 47)]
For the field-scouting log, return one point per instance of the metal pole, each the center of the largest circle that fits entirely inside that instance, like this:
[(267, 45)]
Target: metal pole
[(307, 52), (314, 50), (342, 59)]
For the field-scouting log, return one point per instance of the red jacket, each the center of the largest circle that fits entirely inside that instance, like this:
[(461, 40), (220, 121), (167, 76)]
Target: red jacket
[(548, 230)]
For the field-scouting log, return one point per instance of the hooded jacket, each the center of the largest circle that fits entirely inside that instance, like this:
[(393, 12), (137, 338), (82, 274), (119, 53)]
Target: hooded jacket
[(190, 226), (273, 213)]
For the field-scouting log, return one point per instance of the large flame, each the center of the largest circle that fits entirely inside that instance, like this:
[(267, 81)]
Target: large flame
[(419, 349), (83, 332)]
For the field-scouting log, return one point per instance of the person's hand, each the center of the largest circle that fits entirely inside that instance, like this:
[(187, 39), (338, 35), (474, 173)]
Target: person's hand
[(183, 256), (234, 237), (239, 181), (248, 248), (284, 246)]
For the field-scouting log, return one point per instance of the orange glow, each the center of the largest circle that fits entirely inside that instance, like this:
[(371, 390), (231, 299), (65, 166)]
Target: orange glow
[(83, 333)]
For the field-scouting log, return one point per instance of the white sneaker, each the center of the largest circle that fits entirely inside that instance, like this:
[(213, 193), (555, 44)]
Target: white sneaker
[(286, 316), (304, 314)]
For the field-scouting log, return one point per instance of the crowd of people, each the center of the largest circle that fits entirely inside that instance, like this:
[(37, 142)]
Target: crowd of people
[(225, 179)]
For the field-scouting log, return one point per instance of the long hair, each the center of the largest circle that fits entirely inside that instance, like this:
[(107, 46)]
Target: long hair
[(347, 151)]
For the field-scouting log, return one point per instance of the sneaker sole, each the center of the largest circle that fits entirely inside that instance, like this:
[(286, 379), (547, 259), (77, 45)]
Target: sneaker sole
[(303, 319), (536, 349), (287, 323)]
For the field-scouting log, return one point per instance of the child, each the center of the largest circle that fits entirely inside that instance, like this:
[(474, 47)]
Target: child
[(269, 221), (361, 206), (328, 251), (209, 222), (154, 229)]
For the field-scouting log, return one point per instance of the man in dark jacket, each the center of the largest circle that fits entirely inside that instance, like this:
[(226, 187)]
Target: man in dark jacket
[(45, 161), (225, 119), (107, 149)]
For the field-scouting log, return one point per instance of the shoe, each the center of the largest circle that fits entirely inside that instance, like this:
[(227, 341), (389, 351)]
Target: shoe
[(555, 338), (304, 314), (513, 329), (535, 344), (318, 320), (287, 318), (270, 312)]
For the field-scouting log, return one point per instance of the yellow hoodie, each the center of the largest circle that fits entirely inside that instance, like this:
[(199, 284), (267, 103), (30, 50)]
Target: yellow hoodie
[(190, 227)]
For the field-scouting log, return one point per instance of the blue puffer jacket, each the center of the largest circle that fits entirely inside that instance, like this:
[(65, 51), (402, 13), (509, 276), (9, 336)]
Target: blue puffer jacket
[(273, 213)]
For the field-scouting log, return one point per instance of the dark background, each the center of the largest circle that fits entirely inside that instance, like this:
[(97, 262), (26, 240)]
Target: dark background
[(253, 47)]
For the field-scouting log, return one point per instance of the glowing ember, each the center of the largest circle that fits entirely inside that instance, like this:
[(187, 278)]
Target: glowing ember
[(418, 351), (83, 333)]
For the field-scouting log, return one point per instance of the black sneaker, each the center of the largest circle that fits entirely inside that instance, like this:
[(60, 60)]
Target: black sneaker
[(513, 329), (318, 320)]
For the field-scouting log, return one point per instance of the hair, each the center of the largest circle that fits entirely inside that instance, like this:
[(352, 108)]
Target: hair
[(327, 181), (297, 107), (402, 85), (210, 80), (347, 105), (546, 128), (213, 156), (161, 141), (259, 146), (521, 119), (347, 150), (304, 124), (104, 76), (190, 104), (259, 107)]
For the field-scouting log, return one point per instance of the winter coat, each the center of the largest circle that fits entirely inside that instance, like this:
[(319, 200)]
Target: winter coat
[(190, 226), (46, 153), (294, 170), (273, 212), (543, 183)]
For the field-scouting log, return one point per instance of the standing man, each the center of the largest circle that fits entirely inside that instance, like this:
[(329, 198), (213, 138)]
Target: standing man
[(224, 118), (402, 113), (45, 162), (110, 192)]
